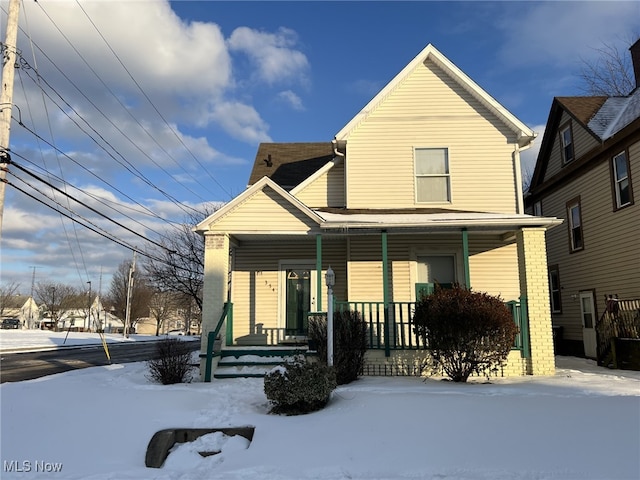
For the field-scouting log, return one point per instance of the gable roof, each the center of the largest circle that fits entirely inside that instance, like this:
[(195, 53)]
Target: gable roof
[(204, 225), (15, 301), (289, 164), (603, 117), (525, 134)]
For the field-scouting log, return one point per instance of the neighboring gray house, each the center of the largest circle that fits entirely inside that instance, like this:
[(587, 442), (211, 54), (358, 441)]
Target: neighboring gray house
[(587, 173)]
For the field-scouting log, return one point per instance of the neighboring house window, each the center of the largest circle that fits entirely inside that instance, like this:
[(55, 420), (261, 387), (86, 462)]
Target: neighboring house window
[(576, 239), (566, 142), (537, 208), (621, 181), (433, 182), (554, 289)]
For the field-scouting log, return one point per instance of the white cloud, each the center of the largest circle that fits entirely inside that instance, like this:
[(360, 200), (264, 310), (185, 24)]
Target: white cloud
[(272, 53), (291, 99), (241, 121)]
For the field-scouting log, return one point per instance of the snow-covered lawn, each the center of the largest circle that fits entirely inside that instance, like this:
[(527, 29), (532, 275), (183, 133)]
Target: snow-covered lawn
[(583, 423)]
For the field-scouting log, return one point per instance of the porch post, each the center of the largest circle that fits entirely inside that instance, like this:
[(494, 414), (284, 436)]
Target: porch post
[(465, 257), (534, 285), (215, 291), (385, 295), (318, 273)]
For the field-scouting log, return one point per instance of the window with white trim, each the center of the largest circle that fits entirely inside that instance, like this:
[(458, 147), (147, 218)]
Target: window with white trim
[(433, 180), (566, 142), (621, 183), (576, 239)]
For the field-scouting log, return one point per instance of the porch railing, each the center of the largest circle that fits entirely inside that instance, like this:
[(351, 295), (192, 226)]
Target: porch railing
[(620, 319), (227, 314), (396, 331)]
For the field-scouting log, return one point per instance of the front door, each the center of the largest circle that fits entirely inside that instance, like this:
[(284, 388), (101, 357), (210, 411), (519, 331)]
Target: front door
[(298, 300), (587, 312)]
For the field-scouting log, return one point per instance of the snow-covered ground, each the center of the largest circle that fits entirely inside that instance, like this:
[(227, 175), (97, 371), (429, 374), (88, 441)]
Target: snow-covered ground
[(582, 423)]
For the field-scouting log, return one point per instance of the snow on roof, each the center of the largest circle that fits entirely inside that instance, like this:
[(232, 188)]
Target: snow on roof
[(615, 114), (450, 219)]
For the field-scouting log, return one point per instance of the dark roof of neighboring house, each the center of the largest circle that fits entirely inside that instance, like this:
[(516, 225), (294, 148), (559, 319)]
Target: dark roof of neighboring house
[(603, 117), (289, 164), (16, 301), (582, 108)]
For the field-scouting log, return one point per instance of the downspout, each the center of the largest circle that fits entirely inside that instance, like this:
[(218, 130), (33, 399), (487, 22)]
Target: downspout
[(337, 153), (518, 172)]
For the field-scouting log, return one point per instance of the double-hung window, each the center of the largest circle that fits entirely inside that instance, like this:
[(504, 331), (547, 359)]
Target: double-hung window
[(574, 215), (566, 142), (554, 289), (621, 183), (433, 180)]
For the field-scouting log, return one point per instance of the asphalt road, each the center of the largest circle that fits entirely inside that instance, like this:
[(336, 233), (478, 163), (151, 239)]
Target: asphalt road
[(15, 367)]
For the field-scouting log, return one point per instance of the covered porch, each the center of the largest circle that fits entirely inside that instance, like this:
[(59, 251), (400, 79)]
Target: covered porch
[(268, 284)]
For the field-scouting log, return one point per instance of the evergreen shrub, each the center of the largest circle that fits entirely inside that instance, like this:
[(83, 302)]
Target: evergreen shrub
[(299, 387), (466, 332)]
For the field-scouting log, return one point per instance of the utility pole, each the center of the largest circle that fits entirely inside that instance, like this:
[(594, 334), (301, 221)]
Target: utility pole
[(9, 51), (33, 283), (127, 318)]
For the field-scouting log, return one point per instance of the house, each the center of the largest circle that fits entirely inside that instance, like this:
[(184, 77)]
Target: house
[(79, 313), (22, 307), (422, 186), (587, 172)]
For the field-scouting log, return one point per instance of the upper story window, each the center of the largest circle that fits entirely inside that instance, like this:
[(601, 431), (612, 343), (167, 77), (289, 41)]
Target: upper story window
[(537, 208), (621, 180), (433, 182), (554, 289), (566, 142), (574, 215)]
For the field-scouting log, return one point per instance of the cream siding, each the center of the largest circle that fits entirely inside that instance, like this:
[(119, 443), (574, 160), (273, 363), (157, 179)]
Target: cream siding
[(493, 267), (261, 213), (583, 141), (325, 191), (610, 261), (255, 283), (429, 109)]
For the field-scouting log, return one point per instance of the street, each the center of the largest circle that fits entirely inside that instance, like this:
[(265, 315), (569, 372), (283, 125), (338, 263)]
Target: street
[(15, 367)]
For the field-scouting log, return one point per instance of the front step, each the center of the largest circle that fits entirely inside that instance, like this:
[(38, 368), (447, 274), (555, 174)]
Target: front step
[(252, 362)]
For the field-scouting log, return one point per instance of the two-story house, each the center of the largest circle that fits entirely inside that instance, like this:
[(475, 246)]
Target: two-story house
[(587, 173), (21, 307), (422, 186)]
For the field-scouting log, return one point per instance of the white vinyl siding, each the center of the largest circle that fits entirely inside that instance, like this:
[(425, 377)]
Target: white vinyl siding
[(325, 191), (429, 108), (260, 212)]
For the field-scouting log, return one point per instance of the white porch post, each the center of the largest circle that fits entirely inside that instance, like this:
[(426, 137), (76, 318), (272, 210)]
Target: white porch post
[(534, 285), (216, 277)]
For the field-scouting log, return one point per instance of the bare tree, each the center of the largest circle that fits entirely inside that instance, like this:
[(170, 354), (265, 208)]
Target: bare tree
[(7, 291), (163, 306), (140, 294), (56, 298), (179, 265), (610, 74)]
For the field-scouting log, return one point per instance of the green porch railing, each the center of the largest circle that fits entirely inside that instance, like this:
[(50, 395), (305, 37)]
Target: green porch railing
[(397, 332), (227, 314)]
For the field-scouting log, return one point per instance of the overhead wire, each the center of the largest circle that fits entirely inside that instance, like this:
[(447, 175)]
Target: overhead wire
[(152, 104), (73, 225), (116, 97)]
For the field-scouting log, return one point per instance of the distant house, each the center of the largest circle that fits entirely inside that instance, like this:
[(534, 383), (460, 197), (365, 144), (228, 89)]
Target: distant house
[(22, 307), (587, 172), (81, 314), (421, 187)]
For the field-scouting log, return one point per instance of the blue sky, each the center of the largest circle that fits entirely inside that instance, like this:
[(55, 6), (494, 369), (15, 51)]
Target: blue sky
[(174, 98)]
